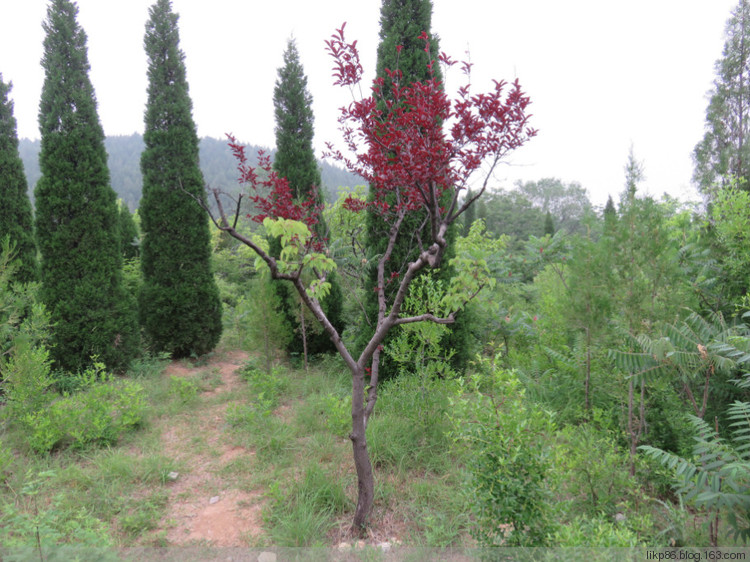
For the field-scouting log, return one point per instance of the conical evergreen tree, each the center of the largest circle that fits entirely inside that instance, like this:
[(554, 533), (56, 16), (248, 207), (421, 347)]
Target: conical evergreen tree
[(295, 160), (16, 220), (401, 24), (76, 210), (179, 301)]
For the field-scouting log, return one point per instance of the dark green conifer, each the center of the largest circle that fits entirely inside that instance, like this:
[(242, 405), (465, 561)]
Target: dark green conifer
[(128, 233), (179, 302), (76, 210), (16, 219), (401, 24), (295, 160)]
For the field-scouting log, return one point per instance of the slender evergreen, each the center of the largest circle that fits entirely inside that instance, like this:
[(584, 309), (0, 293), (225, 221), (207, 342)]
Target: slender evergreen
[(16, 220), (401, 24), (295, 160), (724, 150), (179, 301), (76, 210)]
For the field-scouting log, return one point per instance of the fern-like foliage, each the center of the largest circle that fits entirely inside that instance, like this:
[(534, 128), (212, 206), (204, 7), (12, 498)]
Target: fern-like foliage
[(717, 478)]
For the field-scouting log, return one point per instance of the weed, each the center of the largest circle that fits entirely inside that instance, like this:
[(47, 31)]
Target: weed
[(183, 388)]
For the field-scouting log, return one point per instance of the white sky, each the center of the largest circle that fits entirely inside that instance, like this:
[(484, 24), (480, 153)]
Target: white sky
[(602, 74)]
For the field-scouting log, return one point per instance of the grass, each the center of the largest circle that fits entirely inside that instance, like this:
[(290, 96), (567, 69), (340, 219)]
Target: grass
[(292, 430)]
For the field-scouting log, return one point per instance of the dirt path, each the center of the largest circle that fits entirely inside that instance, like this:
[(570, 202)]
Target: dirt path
[(203, 508)]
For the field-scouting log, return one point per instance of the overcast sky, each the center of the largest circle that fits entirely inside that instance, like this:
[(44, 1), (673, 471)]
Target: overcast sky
[(602, 75)]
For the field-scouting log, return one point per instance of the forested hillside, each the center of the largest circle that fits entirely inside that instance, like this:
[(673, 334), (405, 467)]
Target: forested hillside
[(217, 164)]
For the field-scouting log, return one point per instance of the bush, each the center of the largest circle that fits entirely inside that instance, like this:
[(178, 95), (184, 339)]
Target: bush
[(594, 532), (97, 415), (507, 457)]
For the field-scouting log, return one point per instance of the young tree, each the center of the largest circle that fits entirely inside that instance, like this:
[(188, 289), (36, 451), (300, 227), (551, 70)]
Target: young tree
[(16, 220), (179, 303), (725, 150), (400, 48), (420, 150), (76, 209), (295, 160), (128, 232)]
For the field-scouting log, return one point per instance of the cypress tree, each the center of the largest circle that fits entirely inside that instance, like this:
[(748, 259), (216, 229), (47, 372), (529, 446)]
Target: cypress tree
[(76, 209), (295, 160), (401, 24), (179, 301), (16, 219)]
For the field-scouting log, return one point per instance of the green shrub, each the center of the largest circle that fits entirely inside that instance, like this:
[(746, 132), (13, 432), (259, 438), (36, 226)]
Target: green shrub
[(594, 532), (185, 389), (37, 530), (265, 386), (338, 413), (97, 415), (507, 457)]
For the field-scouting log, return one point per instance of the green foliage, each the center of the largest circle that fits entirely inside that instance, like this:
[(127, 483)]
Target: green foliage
[(295, 160), (265, 386), (507, 457), (401, 24), (731, 217), (76, 212), (591, 471), (179, 303), (565, 204), (16, 221), (724, 150), (129, 239), (302, 515), (596, 531), (95, 416), (31, 530), (717, 475), (185, 389), (410, 427)]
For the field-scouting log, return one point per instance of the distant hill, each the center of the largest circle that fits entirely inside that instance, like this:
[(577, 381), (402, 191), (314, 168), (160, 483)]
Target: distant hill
[(217, 163)]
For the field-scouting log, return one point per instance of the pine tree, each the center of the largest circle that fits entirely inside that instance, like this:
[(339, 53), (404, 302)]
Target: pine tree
[(401, 24), (16, 219), (725, 148), (76, 209), (295, 160), (179, 301)]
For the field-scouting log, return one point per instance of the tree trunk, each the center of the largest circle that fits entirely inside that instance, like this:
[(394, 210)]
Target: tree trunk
[(304, 331), (365, 479)]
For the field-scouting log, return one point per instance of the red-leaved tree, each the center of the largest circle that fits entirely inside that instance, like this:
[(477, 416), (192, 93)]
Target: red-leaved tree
[(412, 144)]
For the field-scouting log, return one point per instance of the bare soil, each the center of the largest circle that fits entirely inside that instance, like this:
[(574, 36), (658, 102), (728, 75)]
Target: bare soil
[(203, 508)]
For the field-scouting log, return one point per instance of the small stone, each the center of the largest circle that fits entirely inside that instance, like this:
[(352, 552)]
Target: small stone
[(213, 500), (620, 517), (360, 544), (344, 546), (173, 476), (384, 546), (267, 557)]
